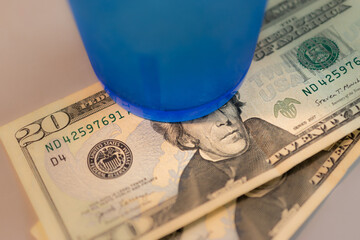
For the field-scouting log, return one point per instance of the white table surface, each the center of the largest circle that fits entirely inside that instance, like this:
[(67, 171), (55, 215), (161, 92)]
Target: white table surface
[(42, 60)]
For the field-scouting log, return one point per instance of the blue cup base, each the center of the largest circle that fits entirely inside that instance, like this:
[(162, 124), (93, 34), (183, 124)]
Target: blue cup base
[(175, 115)]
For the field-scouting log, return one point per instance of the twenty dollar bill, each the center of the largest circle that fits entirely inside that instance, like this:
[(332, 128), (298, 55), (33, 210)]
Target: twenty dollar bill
[(94, 171)]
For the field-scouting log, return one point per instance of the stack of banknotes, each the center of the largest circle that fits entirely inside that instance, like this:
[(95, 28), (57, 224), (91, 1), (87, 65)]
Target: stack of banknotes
[(254, 169)]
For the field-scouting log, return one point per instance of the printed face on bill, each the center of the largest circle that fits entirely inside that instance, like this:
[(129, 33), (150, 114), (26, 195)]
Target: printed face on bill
[(221, 134)]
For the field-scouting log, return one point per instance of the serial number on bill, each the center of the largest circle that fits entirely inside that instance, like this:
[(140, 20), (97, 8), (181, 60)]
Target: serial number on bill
[(332, 76)]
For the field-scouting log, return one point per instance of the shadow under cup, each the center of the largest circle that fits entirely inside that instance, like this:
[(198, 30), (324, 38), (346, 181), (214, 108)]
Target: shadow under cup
[(169, 60)]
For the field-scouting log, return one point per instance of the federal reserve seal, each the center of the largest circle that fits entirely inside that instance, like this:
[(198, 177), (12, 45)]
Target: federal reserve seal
[(317, 53), (109, 159)]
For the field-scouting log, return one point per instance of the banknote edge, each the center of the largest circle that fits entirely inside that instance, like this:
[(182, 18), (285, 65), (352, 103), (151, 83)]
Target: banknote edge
[(307, 210)]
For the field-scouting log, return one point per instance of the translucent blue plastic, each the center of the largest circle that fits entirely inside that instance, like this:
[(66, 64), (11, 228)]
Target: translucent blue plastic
[(169, 60)]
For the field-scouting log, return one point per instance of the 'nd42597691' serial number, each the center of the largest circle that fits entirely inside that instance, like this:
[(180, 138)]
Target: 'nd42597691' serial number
[(84, 130), (330, 78)]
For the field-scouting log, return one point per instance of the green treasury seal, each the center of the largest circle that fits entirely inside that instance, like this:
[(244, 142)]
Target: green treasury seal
[(317, 53)]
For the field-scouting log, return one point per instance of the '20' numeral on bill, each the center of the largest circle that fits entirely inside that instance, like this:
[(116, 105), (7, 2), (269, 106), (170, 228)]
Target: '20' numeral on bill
[(36, 131)]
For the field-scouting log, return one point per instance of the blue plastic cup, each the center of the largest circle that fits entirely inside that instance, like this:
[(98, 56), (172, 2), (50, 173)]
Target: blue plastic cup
[(169, 60)]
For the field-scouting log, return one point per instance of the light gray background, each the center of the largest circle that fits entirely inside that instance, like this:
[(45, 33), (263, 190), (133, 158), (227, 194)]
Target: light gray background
[(42, 60)]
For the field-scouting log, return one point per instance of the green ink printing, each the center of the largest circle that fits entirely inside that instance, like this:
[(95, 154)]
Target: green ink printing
[(332, 76), (317, 53), (83, 131)]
